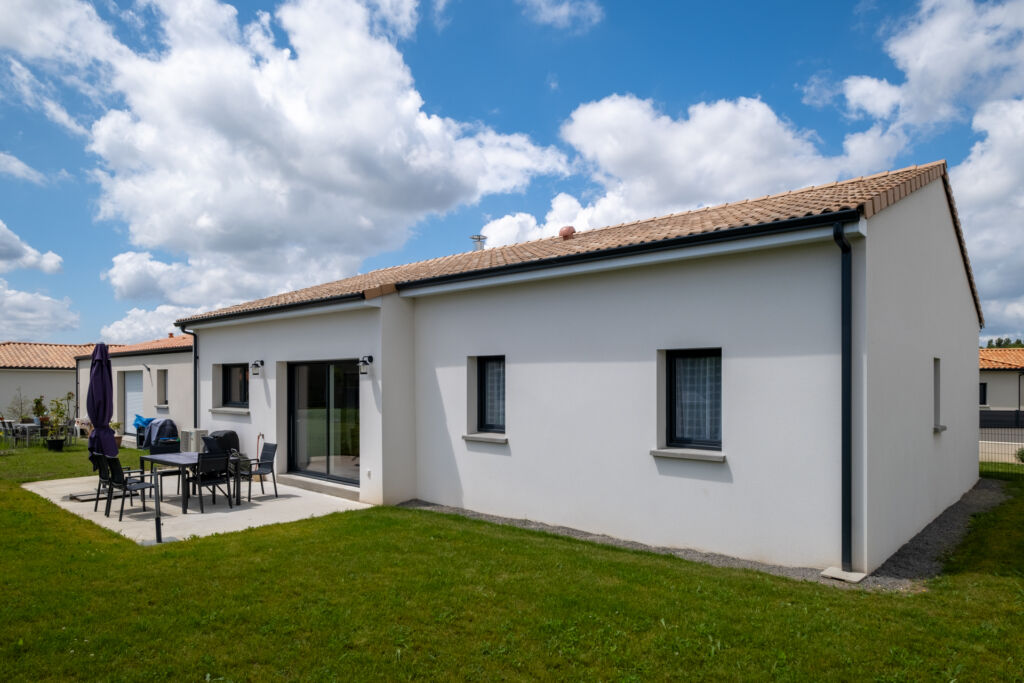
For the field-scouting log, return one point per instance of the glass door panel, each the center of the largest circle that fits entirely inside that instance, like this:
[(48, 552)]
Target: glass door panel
[(324, 419)]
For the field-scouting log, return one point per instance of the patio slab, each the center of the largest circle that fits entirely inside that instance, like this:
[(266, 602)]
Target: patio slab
[(292, 505)]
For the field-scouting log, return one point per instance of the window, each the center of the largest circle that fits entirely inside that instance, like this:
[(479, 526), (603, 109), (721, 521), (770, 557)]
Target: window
[(235, 385), (490, 394), (937, 425), (983, 394), (694, 401), (161, 387)]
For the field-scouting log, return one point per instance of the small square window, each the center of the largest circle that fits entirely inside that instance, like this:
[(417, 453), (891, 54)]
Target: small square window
[(235, 380), (490, 394), (694, 399)]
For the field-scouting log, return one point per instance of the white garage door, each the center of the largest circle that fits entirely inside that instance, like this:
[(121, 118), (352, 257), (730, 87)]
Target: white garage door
[(132, 399)]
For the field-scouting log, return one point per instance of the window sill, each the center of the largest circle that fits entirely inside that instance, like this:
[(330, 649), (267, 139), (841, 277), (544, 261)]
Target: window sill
[(224, 410), (161, 406), (689, 454), (482, 437), (938, 429)]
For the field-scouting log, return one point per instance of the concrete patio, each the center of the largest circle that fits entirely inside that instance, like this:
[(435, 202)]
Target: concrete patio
[(292, 505)]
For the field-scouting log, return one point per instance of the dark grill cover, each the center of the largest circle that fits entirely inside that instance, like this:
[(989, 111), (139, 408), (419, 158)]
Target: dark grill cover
[(227, 438)]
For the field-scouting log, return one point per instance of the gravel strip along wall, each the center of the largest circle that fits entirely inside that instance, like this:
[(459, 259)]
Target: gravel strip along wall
[(918, 560)]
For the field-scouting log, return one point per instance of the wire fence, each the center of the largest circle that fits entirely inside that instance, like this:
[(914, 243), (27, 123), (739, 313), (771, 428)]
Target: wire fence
[(1001, 446)]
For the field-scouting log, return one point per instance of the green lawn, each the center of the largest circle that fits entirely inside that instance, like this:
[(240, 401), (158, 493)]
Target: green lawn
[(393, 593)]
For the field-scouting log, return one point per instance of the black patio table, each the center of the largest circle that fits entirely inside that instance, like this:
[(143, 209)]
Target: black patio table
[(184, 462)]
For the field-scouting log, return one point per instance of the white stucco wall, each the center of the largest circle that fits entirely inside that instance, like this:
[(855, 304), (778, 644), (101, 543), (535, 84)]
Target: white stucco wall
[(49, 384), (316, 336), (919, 308), (1002, 388), (179, 387), (583, 404)]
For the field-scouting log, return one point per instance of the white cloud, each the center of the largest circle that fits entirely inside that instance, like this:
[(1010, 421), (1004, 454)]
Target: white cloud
[(440, 20), (876, 96), (577, 15), (29, 316), (34, 94), (987, 186), (140, 325), (13, 166), (396, 16), (651, 164), (819, 90), (14, 253), (954, 55), (263, 165)]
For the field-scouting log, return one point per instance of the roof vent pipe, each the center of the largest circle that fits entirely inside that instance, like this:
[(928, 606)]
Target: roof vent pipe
[(567, 232), (478, 242)]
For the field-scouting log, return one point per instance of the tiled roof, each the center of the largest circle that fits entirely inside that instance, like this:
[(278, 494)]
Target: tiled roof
[(1001, 359), (179, 342), (868, 195), (42, 356)]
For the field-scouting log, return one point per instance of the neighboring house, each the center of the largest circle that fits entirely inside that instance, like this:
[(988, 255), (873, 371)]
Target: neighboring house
[(151, 379), (36, 369), (691, 381), (1000, 386)]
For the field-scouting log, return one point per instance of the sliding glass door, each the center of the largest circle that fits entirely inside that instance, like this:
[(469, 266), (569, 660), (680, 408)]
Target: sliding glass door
[(324, 419)]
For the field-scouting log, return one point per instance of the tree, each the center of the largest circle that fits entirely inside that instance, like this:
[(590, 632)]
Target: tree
[(18, 409)]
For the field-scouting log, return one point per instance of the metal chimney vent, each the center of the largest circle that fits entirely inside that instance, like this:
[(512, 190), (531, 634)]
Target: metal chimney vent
[(478, 242)]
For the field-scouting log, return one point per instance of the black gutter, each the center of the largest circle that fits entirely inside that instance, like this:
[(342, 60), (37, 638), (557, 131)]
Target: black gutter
[(713, 237), (195, 379), (847, 398)]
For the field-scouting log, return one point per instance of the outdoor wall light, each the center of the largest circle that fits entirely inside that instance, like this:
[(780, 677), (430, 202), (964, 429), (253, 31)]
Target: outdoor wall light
[(254, 368), (364, 364)]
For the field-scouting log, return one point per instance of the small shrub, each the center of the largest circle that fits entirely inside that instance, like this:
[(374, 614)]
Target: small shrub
[(1020, 455)]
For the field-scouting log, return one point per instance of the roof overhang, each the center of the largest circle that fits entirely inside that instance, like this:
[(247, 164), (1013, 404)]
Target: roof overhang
[(346, 302), (777, 234)]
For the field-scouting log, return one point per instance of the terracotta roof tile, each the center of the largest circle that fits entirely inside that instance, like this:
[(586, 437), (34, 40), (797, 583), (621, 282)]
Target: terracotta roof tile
[(182, 342), (869, 195), (1001, 359), (40, 356)]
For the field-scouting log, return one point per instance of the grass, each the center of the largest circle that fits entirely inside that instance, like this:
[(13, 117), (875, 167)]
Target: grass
[(392, 593)]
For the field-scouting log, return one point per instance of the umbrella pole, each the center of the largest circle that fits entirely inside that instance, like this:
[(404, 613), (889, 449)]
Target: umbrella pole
[(156, 504)]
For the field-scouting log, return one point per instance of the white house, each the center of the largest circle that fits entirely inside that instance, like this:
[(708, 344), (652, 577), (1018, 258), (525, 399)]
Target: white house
[(788, 379), (32, 369), (152, 379), (1000, 386)]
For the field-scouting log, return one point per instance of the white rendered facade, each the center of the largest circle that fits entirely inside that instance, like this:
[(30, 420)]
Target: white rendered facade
[(167, 382), (584, 351)]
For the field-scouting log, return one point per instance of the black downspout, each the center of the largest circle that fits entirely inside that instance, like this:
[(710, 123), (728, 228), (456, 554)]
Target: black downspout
[(195, 376), (847, 398)]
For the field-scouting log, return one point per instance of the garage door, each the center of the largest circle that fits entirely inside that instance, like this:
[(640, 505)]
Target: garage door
[(132, 398)]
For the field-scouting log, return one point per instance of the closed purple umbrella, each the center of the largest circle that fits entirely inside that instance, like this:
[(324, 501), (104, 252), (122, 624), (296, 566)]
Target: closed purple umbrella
[(100, 402)]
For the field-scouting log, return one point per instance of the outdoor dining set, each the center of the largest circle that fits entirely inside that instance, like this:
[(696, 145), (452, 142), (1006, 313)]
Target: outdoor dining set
[(217, 469)]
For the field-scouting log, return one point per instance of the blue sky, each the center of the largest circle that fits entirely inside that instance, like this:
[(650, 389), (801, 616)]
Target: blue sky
[(160, 157)]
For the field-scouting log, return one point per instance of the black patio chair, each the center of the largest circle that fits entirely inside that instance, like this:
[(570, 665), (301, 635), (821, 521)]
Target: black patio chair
[(118, 479), (101, 467), (212, 471), (261, 468)]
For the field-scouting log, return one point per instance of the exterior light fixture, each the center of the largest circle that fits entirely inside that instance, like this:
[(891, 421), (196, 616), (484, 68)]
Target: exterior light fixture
[(254, 368), (364, 364)]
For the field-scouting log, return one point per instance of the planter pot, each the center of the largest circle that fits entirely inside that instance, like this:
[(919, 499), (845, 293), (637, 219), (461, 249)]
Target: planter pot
[(117, 440), (55, 444)]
